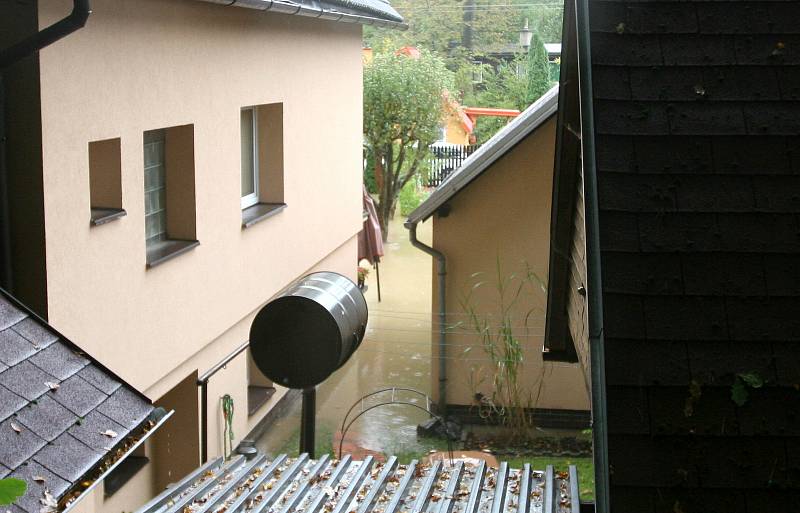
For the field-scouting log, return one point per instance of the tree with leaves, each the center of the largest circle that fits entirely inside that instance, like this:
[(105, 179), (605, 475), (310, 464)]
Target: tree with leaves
[(537, 69), (403, 109), (515, 85)]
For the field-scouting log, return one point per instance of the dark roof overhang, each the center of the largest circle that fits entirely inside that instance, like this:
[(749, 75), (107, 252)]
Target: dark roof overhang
[(558, 343)]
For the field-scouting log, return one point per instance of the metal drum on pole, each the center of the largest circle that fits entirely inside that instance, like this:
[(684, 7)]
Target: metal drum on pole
[(306, 333)]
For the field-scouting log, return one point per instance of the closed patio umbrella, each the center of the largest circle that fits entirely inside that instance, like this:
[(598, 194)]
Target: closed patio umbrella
[(370, 241)]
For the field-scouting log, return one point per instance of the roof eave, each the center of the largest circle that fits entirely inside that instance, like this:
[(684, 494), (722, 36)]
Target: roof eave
[(159, 421), (532, 118), (315, 9)]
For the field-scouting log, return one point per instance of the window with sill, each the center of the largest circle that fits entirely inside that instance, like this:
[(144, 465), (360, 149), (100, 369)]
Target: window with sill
[(261, 162), (169, 192), (105, 181)]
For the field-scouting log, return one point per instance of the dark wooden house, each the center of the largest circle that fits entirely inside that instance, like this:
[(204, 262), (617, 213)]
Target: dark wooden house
[(675, 256)]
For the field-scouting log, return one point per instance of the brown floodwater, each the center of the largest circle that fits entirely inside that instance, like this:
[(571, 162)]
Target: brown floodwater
[(396, 352)]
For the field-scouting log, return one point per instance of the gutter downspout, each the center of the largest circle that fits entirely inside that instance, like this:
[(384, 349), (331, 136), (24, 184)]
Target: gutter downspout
[(441, 274), (593, 262), (81, 9)]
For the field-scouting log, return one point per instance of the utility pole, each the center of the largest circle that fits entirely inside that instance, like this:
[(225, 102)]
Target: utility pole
[(469, 18)]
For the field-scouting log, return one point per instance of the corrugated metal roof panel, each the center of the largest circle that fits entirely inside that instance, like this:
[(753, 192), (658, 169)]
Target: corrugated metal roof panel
[(303, 485)]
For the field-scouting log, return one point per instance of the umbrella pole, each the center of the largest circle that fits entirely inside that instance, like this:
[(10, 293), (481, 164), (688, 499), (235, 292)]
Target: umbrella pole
[(378, 276)]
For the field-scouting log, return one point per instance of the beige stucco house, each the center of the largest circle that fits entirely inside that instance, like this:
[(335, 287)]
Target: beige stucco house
[(491, 225), (164, 184)]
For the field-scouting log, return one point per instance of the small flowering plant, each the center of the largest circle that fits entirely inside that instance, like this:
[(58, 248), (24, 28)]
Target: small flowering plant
[(362, 274)]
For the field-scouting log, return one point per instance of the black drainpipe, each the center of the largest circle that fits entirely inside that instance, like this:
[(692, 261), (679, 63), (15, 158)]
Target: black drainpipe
[(76, 20), (81, 10)]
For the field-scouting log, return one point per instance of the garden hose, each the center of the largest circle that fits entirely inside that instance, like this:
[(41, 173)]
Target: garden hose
[(227, 415)]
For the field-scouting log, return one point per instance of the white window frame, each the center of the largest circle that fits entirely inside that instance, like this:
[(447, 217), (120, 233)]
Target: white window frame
[(251, 199)]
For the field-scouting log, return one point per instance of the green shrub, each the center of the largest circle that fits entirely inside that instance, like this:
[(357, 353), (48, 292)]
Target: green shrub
[(411, 196)]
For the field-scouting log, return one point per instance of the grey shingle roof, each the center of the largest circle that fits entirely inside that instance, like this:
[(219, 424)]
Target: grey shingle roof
[(78, 396), (125, 407), (99, 379), (51, 399), (53, 483), (90, 431), (68, 457)]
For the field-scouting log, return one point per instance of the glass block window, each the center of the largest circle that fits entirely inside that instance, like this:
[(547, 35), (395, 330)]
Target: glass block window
[(249, 131), (155, 186)]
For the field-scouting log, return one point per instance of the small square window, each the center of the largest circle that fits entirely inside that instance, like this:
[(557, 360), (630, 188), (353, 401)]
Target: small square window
[(155, 186), (169, 192), (105, 181)]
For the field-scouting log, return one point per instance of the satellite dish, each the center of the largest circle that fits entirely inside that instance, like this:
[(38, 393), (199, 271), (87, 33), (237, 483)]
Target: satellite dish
[(309, 331)]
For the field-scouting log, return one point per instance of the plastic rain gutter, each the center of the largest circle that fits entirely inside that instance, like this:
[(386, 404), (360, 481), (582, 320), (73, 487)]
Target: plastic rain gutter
[(313, 11), (593, 259), (85, 493)]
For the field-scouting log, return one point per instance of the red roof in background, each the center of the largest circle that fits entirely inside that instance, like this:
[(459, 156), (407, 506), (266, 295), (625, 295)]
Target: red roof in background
[(411, 51), (475, 112)]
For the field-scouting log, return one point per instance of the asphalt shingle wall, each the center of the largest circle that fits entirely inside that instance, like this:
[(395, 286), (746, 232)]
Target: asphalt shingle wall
[(697, 111)]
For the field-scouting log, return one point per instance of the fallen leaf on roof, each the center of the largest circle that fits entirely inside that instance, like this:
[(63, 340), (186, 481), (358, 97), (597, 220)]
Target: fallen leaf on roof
[(38, 479), (16, 428), (51, 385), (109, 433), (49, 503)]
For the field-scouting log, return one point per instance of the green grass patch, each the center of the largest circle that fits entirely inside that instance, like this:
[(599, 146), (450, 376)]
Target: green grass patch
[(585, 468), (323, 442)]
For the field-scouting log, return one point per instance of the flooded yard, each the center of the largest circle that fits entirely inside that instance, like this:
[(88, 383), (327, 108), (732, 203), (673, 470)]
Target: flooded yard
[(396, 352)]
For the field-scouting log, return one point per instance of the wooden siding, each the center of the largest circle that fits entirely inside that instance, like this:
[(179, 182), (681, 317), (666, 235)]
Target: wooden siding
[(697, 110), (577, 312)]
